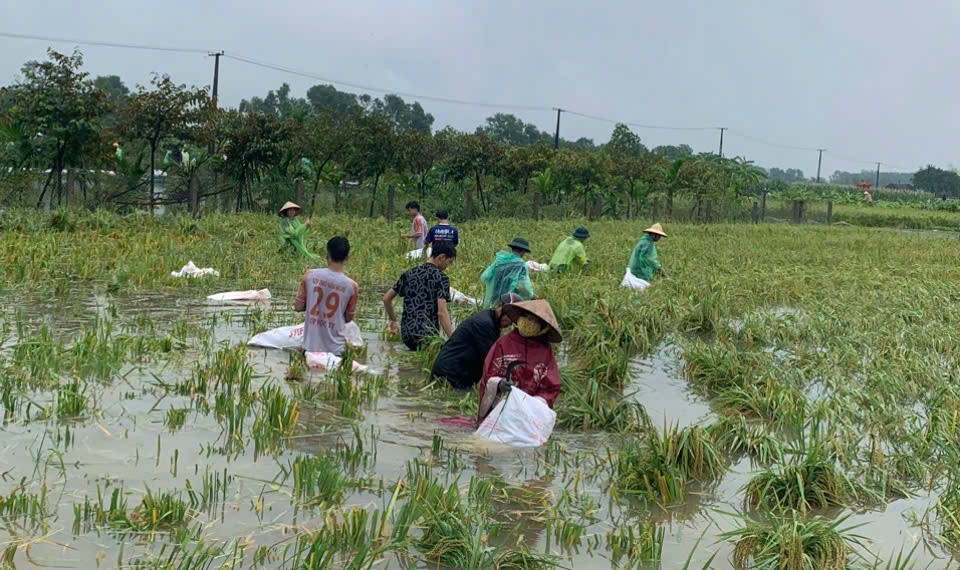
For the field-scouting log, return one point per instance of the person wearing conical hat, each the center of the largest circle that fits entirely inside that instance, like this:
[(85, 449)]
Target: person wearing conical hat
[(644, 262), (507, 274), (293, 232), (523, 358), (570, 251)]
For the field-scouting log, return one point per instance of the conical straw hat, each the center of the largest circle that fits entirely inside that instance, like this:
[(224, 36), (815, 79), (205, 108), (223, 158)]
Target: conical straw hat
[(287, 206), (655, 229), (539, 308)]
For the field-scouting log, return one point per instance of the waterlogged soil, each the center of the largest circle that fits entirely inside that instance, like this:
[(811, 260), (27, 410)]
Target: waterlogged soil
[(126, 442)]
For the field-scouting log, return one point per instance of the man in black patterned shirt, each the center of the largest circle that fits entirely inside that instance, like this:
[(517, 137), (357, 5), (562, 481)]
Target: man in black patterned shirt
[(425, 291)]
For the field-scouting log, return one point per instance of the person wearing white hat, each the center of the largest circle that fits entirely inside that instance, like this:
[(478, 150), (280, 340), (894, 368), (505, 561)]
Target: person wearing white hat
[(644, 262), (293, 232)]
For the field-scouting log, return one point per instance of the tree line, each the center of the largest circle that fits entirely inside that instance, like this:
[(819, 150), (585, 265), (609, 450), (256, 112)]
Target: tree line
[(330, 148)]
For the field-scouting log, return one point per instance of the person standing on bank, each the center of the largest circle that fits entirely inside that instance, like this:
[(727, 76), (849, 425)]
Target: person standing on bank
[(330, 300), (644, 262), (460, 360), (507, 274), (443, 231), (425, 291), (570, 251), (418, 225)]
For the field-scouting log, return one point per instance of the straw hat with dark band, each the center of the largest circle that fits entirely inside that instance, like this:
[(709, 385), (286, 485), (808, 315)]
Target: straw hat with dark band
[(655, 229), (288, 206), (539, 308)]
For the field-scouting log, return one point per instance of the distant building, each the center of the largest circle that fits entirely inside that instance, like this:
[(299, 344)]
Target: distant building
[(893, 186)]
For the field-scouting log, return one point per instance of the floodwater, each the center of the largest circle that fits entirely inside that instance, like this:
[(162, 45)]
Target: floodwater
[(125, 443)]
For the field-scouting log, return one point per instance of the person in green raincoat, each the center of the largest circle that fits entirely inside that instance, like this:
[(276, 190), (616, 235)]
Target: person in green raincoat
[(570, 251), (507, 274), (644, 262), (292, 231)]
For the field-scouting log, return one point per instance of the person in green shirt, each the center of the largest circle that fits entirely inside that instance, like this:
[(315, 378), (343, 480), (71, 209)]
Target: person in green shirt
[(507, 274), (644, 262), (570, 251), (292, 231)]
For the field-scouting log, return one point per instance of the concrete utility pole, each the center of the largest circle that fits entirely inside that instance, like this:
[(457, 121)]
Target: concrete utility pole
[(721, 140), (819, 162), (877, 185), (556, 134), (216, 74)]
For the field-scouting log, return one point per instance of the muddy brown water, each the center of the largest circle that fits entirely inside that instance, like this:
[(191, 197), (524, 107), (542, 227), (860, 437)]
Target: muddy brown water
[(126, 443)]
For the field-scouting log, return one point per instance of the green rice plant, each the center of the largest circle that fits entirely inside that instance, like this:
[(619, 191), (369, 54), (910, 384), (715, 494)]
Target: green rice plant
[(212, 492), (794, 543), (718, 367), (428, 352), (455, 529), (175, 419), (158, 511), (812, 480), (275, 419), (633, 546), (89, 514), (948, 514), (588, 405), (20, 505), (316, 480), (71, 399), (735, 435), (659, 464)]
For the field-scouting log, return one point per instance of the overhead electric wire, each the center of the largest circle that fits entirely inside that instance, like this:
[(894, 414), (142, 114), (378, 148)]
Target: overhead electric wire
[(451, 100), (638, 125), (438, 99), (102, 44), (768, 143)]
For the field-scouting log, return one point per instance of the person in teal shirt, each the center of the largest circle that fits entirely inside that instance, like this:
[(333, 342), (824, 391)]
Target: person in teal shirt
[(570, 251), (644, 262), (293, 232), (507, 274)]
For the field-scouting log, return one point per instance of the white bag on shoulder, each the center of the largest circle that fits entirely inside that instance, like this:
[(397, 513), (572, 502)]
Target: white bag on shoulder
[(632, 282), (519, 420)]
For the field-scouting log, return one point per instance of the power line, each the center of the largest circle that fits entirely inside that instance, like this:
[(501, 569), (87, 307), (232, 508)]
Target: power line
[(639, 125), (450, 100), (772, 144), (102, 44)]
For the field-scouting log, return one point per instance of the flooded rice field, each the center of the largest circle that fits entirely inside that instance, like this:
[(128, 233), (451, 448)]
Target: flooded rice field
[(144, 433)]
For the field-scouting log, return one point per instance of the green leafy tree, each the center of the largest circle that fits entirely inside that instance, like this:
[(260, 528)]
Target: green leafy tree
[(418, 153), (277, 103), (372, 151), (328, 98), (403, 116), (509, 129), (164, 110), (323, 138), (472, 156), (254, 144), (57, 102), (940, 182)]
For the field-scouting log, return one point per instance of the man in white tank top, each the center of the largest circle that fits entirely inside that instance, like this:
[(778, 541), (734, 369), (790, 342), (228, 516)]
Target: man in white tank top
[(329, 299)]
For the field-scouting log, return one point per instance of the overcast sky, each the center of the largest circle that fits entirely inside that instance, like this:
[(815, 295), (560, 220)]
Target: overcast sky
[(871, 80)]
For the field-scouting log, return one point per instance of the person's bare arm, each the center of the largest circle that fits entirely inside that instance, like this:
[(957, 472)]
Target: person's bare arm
[(388, 306), (300, 302), (444, 317), (351, 308)]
